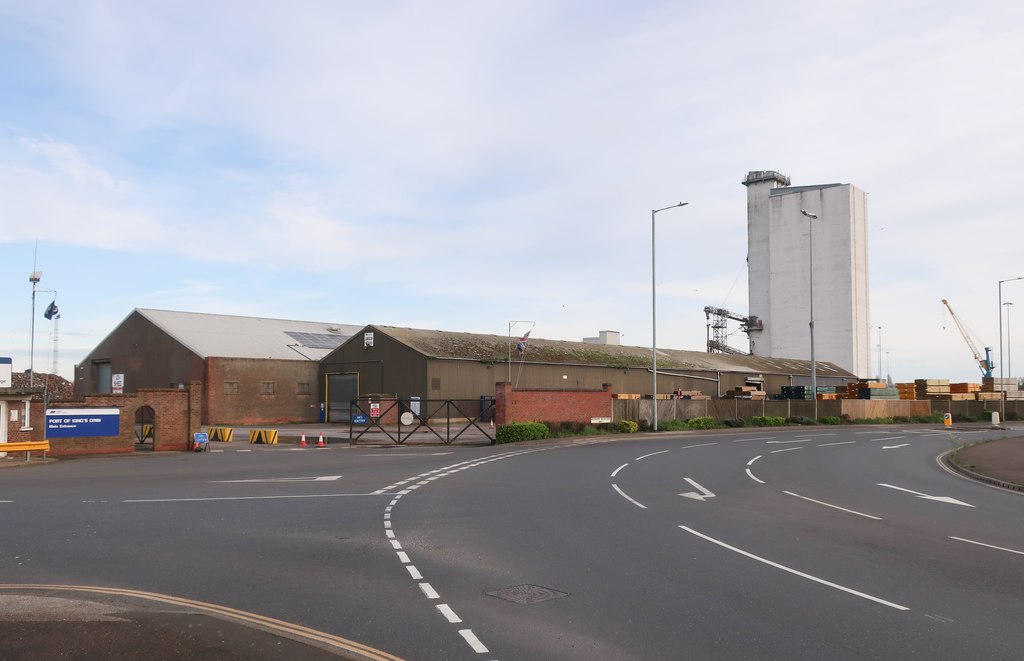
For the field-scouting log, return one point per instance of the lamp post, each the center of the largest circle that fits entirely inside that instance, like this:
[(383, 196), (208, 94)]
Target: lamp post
[(879, 353), (34, 278), (1002, 398), (1009, 341), (654, 321), (810, 280)]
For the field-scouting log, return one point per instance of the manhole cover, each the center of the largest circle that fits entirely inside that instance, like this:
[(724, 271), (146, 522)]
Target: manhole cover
[(527, 594)]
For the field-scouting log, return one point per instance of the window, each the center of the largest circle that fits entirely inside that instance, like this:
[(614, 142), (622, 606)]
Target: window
[(231, 387), (435, 383), (267, 388), (302, 388)]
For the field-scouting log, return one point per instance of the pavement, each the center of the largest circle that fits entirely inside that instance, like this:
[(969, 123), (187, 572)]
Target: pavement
[(50, 622)]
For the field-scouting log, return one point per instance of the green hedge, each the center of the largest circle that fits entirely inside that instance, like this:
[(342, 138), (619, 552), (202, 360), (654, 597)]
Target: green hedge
[(521, 431), (767, 421), (702, 423)]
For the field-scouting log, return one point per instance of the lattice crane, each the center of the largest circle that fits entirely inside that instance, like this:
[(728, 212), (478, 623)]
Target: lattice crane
[(985, 363), (718, 335)]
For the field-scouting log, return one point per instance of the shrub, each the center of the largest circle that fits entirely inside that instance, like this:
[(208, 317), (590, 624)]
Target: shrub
[(673, 425), (801, 420), (702, 423), (831, 420), (521, 431), (628, 426), (767, 421), (732, 422)]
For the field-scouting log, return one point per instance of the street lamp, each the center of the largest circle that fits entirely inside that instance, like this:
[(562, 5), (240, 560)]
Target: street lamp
[(879, 353), (34, 278), (810, 279), (654, 321), (1009, 340), (1002, 399)]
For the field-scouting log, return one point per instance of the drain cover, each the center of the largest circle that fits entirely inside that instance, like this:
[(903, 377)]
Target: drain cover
[(527, 594)]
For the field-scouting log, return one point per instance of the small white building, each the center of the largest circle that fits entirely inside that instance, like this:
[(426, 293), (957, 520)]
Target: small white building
[(779, 257)]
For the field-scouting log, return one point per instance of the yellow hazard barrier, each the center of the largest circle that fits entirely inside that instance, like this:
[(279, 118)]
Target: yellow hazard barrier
[(265, 436), (147, 431), (222, 434)]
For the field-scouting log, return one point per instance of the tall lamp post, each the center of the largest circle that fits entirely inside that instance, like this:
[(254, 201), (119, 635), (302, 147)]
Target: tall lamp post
[(654, 321), (34, 278), (879, 353), (810, 280), (1002, 398), (1009, 341)]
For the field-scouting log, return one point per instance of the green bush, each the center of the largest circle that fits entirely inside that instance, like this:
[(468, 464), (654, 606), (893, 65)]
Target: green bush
[(831, 420), (767, 421), (673, 425), (732, 422), (801, 420), (702, 423), (521, 431), (628, 426)]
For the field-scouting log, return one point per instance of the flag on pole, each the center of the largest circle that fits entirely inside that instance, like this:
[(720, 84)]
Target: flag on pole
[(51, 310), (521, 344)]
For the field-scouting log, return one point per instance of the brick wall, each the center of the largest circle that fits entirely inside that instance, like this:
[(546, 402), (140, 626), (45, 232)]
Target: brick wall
[(176, 415), (235, 393), (551, 405)]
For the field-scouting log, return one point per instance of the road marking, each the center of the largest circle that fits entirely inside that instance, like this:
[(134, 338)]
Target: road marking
[(203, 500), (747, 440), (751, 476), (998, 548), (799, 440), (941, 499), (939, 618), (796, 495), (888, 438), (651, 455), (751, 462), (704, 493), (415, 573), (429, 591), (623, 494), (784, 450), (701, 445), (473, 641), (403, 557), (795, 572), (449, 614), (893, 447), (277, 626), (816, 435), (616, 471), (825, 445)]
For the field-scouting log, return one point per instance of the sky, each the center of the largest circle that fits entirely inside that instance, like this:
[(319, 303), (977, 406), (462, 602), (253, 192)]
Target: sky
[(463, 165)]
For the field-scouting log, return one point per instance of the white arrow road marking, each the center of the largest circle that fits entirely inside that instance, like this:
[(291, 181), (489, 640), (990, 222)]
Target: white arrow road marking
[(941, 499), (322, 478), (704, 493), (893, 447)]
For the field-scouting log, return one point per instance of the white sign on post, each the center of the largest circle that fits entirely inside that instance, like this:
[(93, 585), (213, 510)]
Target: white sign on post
[(117, 383), (5, 373)]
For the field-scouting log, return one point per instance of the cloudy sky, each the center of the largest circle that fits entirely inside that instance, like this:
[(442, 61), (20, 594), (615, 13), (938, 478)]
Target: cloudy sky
[(458, 165)]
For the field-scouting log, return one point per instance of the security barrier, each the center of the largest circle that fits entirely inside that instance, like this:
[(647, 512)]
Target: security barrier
[(147, 432), (265, 436), (222, 434)]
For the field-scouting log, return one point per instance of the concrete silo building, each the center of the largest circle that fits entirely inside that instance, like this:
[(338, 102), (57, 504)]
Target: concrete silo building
[(779, 239)]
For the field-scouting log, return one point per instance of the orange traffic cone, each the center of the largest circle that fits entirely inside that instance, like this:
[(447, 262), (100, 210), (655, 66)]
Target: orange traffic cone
[(302, 443), (320, 443)]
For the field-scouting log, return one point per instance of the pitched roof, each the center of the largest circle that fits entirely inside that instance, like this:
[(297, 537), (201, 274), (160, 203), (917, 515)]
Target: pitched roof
[(229, 336), (472, 346)]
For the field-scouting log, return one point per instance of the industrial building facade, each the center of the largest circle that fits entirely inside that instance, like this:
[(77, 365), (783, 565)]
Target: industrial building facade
[(780, 255)]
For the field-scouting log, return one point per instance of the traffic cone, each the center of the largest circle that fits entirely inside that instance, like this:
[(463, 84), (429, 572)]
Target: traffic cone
[(320, 443), (302, 443)]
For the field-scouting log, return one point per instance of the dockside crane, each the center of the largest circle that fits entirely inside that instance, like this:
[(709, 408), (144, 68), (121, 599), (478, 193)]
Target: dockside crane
[(985, 363), (718, 335)]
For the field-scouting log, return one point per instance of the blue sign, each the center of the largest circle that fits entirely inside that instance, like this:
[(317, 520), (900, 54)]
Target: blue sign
[(359, 419), (77, 423)]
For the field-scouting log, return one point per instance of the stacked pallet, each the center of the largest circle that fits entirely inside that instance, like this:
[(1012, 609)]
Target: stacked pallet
[(907, 390), (745, 392), (961, 388), (876, 392), (1008, 388), (622, 395), (691, 394), (988, 396), (932, 388), (796, 392)]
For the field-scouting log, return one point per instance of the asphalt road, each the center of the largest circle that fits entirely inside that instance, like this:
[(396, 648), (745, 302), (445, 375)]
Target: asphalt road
[(839, 543)]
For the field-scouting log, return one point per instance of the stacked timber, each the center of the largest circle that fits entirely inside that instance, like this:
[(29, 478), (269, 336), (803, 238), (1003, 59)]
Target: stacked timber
[(745, 392), (624, 395), (907, 390), (691, 394), (932, 389), (961, 388), (1009, 387)]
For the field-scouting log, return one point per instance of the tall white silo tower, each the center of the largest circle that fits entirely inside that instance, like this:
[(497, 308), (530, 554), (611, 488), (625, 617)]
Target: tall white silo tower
[(778, 261)]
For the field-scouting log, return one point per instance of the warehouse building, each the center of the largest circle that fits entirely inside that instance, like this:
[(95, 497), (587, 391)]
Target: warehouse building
[(253, 370)]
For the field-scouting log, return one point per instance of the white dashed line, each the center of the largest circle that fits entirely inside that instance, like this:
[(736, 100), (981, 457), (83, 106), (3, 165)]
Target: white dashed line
[(415, 573), (473, 641), (868, 516), (404, 557), (751, 476), (998, 548), (784, 450), (449, 614), (616, 471), (623, 494), (650, 455), (429, 591), (825, 445), (751, 462), (699, 445)]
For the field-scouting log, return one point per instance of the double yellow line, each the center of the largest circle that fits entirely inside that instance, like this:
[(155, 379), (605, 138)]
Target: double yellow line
[(293, 631)]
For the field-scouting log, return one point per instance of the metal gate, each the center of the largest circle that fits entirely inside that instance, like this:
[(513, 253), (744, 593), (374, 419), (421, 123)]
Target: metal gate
[(444, 419)]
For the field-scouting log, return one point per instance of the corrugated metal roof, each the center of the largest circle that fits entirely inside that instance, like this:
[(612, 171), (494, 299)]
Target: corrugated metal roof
[(228, 336), (450, 345)]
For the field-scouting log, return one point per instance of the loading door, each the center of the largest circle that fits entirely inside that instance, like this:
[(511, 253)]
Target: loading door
[(342, 389)]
